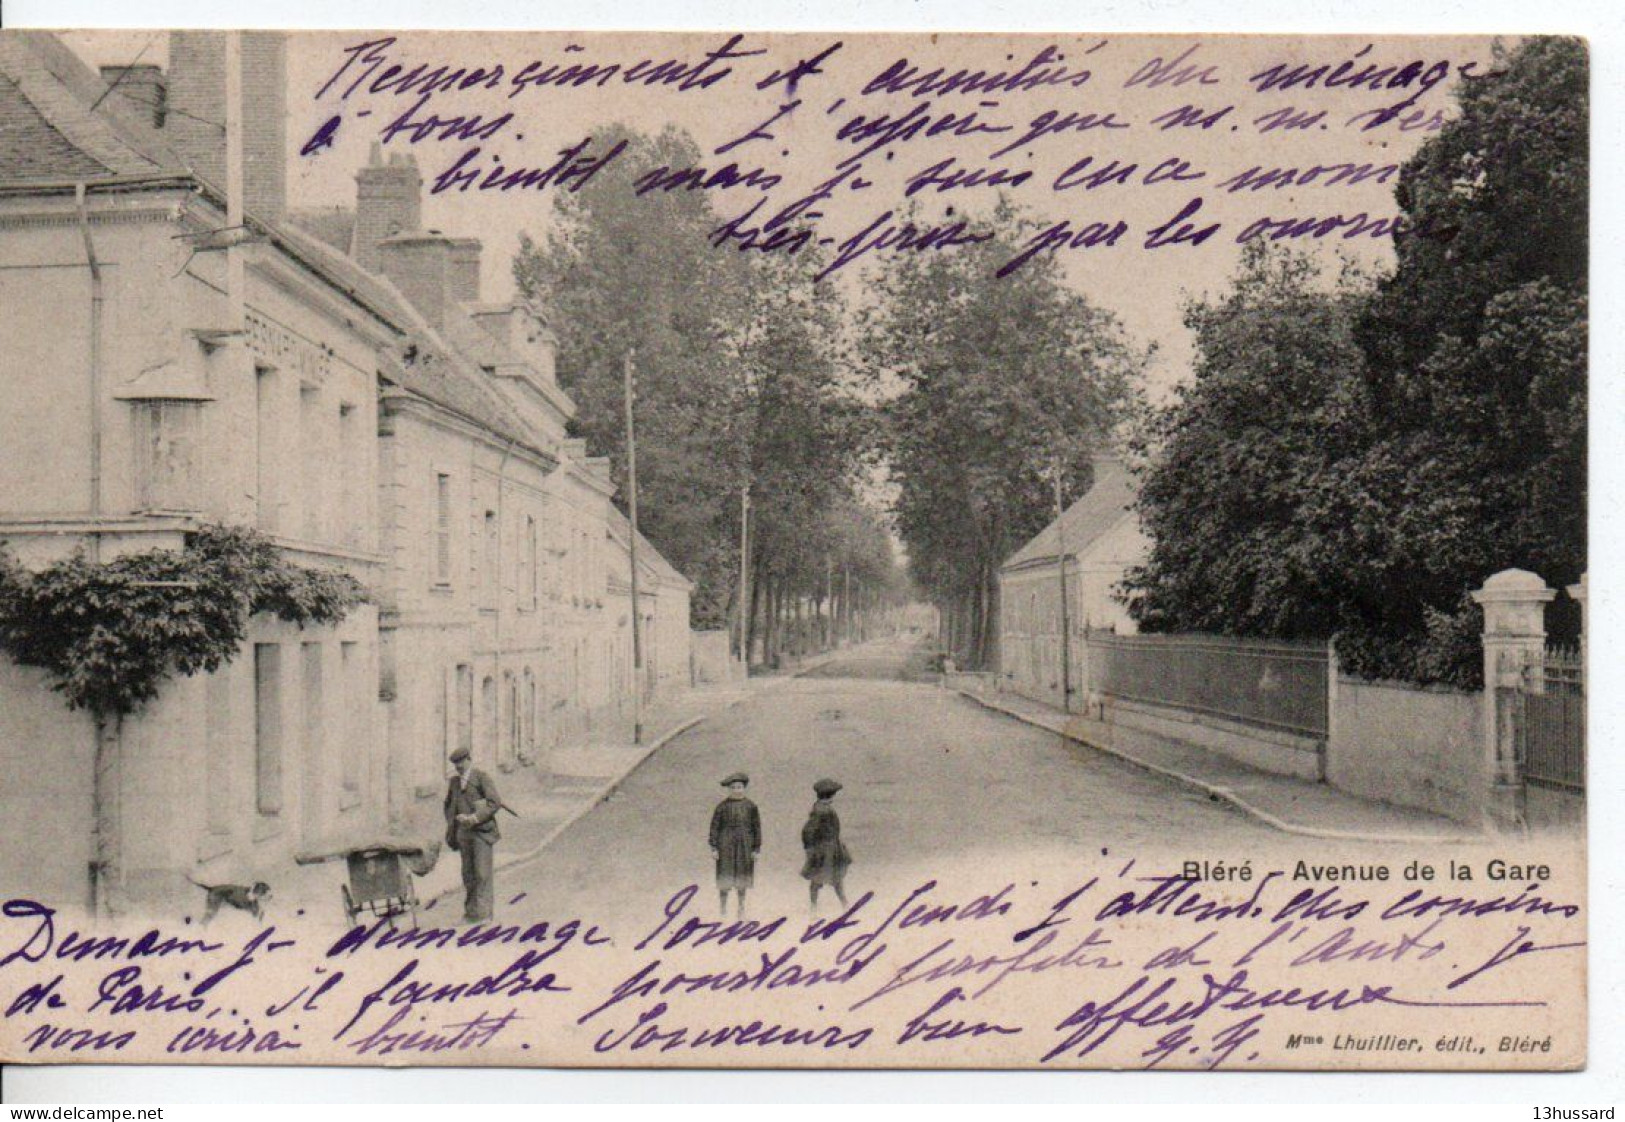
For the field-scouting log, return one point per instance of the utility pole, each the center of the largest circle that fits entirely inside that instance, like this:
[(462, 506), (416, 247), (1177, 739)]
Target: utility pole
[(632, 553), (1066, 623), (744, 576)]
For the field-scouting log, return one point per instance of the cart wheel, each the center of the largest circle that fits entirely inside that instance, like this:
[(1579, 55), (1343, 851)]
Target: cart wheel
[(350, 910)]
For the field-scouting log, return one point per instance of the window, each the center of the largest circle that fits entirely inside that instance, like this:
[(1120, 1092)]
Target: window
[(166, 454), (218, 743), (491, 574), (527, 565), (465, 706), (488, 705), (268, 728), (351, 518), (442, 713), (442, 529), (511, 741), (312, 463), (353, 743), (531, 714), (268, 460), (314, 700)]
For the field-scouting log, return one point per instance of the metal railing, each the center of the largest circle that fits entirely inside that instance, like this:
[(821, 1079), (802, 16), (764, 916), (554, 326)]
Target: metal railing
[(1270, 683), (1550, 721)]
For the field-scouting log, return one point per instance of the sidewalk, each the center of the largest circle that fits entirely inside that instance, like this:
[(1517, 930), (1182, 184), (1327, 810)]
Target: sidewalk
[(549, 800), (1295, 806)]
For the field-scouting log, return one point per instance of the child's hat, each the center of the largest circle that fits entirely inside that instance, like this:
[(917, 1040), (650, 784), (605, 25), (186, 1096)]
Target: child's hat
[(824, 788), (736, 777)]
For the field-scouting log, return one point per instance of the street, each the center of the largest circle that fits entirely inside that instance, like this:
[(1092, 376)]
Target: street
[(935, 787)]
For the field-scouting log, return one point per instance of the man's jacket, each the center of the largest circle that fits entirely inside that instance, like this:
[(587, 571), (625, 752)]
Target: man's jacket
[(476, 795)]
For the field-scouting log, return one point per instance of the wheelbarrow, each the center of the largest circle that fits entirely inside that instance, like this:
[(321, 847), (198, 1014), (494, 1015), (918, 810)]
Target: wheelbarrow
[(380, 878)]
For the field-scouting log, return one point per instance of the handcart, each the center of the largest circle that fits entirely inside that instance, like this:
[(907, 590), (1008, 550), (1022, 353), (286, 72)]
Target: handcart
[(380, 878)]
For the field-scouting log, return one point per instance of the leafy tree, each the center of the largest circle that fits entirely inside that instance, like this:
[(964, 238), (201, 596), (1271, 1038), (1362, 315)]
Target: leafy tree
[(111, 634), (997, 387), (808, 432), (1349, 465), (742, 382), (1476, 349), (1246, 500), (627, 272)]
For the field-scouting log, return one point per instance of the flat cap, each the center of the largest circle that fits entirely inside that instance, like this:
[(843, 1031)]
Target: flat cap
[(824, 788), (736, 777), (460, 755)]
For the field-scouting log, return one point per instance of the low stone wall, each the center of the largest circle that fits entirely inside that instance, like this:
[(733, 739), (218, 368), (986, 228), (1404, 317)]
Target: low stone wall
[(1548, 809), (46, 755), (712, 660), (1269, 750), (1411, 746)]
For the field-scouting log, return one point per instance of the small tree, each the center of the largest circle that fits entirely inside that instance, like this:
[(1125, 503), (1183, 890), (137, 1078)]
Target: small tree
[(110, 634)]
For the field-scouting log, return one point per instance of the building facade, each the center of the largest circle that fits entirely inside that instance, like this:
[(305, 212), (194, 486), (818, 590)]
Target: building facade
[(1094, 543), (163, 393), (502, 624), (349, 395)]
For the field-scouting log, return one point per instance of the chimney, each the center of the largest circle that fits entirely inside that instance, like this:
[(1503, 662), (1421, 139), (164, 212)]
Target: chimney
[(388, 202), (420, 265), (465, 270), (195, 112), (140, 88)]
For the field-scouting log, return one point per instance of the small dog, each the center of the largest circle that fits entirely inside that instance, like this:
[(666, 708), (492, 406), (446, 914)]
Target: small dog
[(236, 896)]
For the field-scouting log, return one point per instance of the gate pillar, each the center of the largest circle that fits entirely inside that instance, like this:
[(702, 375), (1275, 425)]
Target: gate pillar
[(1514, 603)]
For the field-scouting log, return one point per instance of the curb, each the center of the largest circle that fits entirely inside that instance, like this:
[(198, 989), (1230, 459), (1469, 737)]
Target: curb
[(1216, 790), (603, 792), (585, 806)]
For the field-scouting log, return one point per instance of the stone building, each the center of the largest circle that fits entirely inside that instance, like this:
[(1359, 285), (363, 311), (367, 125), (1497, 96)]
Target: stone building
[(148, 397), (506, 555), (1100, 538), (664, 595), (364, 408)]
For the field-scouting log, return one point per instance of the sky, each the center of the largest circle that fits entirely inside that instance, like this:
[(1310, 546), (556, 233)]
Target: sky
[(1145, 290)]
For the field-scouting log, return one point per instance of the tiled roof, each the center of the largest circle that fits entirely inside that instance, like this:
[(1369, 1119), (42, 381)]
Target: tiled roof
[(1104, 506), (333, 225), (442, 365), (620, 530), (430, 369), (48, 129)]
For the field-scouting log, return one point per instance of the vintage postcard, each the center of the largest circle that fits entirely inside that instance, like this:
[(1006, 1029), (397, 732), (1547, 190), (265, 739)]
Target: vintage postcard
[(793, 550)]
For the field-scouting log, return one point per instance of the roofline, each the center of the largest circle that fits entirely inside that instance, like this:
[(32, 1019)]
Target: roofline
[(90, 183), (397, 395), (196, 184), (1071, 554)]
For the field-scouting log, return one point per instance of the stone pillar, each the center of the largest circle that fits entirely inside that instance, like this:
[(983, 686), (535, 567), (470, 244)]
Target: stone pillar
[(1578, 593), (1514, 603)]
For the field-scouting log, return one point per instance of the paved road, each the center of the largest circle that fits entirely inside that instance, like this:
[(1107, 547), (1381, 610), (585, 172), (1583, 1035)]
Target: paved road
[(935, 786)]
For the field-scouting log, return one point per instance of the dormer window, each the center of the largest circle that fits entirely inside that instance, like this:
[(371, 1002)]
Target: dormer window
[(166, 422), (167, 433)]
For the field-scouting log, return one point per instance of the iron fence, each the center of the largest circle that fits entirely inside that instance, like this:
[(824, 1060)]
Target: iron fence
[(1273, 684), (1550, 722)]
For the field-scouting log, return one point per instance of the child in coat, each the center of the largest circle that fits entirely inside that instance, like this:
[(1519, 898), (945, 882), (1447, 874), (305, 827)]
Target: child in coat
[(736, 838), (827, 856)]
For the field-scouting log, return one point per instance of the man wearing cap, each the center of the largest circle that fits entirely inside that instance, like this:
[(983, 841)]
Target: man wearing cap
[(471, 829)]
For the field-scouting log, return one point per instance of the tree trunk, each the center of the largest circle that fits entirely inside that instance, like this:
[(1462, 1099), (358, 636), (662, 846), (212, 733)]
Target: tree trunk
[(770, 640), (107, 887), (754, 629)]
